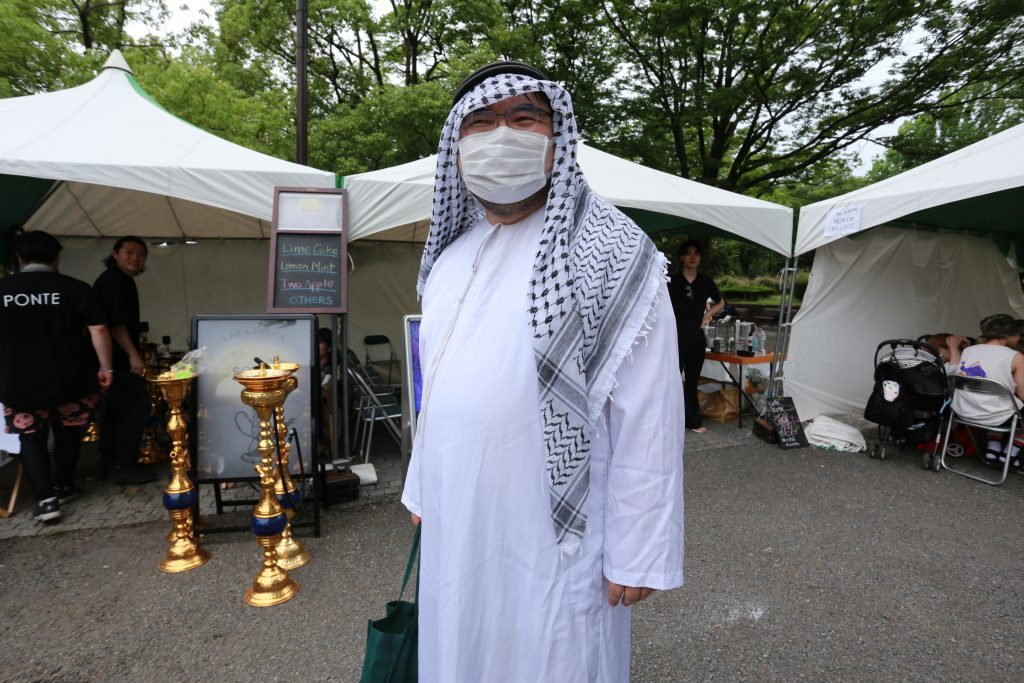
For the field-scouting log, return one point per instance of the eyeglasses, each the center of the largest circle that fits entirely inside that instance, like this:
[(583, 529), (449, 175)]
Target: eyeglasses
[(521, 117)]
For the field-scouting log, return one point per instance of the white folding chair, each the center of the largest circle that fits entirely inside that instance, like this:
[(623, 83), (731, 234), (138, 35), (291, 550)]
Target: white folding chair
[(988, 387)]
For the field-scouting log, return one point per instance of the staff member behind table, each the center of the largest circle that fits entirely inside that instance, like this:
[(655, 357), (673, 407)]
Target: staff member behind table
[(48, 376), (126, 404), (690, 291)]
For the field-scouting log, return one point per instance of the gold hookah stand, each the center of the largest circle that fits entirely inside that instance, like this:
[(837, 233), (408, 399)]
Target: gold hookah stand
[(151, 453), (290, 552), (264, 390), (180, 496)]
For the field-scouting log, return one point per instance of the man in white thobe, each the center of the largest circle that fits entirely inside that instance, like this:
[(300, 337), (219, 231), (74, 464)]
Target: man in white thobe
[(547, 466)]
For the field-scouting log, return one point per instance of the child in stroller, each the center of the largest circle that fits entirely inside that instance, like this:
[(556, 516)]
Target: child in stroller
[(909, 396)]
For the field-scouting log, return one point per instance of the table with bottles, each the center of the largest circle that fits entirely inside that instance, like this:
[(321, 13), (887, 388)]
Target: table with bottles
[(727, 358)]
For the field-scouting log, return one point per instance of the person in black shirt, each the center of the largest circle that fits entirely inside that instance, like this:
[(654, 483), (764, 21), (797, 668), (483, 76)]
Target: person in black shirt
[(126, 404), (48, 373), (690, 292)]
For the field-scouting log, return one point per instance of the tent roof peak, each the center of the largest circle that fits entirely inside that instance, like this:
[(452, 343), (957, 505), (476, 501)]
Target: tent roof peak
[(117, 61)]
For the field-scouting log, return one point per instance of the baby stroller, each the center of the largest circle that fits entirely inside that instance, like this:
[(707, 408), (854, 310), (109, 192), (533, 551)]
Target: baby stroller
[(908, 398)]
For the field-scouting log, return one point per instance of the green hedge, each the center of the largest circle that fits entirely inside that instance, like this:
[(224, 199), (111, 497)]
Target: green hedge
[(746, 292)]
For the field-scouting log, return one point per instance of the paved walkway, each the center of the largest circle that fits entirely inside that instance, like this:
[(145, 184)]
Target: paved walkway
[(800, 565)]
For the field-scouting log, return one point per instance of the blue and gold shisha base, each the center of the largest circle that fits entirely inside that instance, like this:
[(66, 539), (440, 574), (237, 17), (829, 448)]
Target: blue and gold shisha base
[(184, 552), (291, 554), (264, 390), (272, 585)]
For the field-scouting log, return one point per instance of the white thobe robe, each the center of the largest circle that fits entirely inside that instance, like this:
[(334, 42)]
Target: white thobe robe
[(498, 601)]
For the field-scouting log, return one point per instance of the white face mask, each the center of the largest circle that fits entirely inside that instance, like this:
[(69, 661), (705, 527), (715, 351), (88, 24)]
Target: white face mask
[(504, 165)]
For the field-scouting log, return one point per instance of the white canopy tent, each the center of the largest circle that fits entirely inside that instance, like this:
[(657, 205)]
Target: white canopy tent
[(103, 159), (938, 266), (394, 203), (978, 189)]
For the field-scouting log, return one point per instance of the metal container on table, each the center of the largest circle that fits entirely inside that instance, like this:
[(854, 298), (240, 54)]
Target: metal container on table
[(709, 336)]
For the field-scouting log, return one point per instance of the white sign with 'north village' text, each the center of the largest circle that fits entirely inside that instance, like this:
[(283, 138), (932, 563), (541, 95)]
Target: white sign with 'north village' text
[(842, 220)]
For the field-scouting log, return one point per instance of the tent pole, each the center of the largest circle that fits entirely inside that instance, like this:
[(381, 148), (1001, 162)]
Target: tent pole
[(332, 389), (342, 419), (776, 357), (301, 87), (784, 331)]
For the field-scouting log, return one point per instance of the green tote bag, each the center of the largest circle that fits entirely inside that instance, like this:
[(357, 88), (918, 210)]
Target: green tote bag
[(391, 650)]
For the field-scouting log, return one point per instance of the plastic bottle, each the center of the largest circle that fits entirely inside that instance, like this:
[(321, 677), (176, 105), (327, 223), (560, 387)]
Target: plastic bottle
[(755, 341), (762, 340)]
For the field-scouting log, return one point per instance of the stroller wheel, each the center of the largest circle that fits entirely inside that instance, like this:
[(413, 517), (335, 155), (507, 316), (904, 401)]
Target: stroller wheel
[(955, 450), (881, 451), (873, 451), (926, 461), (936, 463)]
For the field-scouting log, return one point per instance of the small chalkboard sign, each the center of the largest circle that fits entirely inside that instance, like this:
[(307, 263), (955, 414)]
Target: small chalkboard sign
[(782, 412), (308, 271), (308, 251)]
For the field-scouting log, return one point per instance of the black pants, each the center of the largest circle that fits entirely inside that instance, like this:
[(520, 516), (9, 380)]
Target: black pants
[(125, 412), (691, 362), (36, 461)]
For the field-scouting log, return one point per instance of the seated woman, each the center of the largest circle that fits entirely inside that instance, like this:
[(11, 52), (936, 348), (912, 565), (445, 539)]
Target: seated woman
[(996, 359)]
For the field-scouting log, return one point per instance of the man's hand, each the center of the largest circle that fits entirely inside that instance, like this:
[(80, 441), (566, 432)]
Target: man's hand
[(626, 595), (105, 378), (415, 519), (137, 366)]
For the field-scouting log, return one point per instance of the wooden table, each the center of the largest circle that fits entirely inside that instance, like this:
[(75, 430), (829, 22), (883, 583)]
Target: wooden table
[(727, 359)]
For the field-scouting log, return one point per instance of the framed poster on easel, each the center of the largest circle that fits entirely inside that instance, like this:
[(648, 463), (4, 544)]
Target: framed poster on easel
[(225, 432), (308, 251), (412, 383)]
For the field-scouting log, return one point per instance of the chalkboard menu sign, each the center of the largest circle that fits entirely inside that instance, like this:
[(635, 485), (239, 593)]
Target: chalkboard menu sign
[(782, 413), (308, 271), (308, 253)]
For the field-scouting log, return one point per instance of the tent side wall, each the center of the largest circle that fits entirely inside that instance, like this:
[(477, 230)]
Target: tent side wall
[(888, 283), (230, 277)]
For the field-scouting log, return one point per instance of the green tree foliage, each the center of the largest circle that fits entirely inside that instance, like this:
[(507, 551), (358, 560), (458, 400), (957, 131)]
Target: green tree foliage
[(765, 97), (744, 93), (937, 133), (54, 44)]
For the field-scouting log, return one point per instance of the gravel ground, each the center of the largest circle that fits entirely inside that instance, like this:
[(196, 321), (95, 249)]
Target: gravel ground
[(800, 565)]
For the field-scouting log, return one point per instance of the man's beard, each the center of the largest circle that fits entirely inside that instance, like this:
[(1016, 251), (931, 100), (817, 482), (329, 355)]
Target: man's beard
[(523, 206)]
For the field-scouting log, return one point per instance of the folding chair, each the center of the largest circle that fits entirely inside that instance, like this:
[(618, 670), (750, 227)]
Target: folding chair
[(371, 378), (370, 409), (379, 352), (989, 387)]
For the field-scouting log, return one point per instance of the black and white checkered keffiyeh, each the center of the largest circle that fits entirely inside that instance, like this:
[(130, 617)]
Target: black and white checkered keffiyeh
[(595, 283)]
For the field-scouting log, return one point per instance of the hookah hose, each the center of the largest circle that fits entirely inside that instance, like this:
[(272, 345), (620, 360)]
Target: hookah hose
[(293, 437), (277, 442)]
